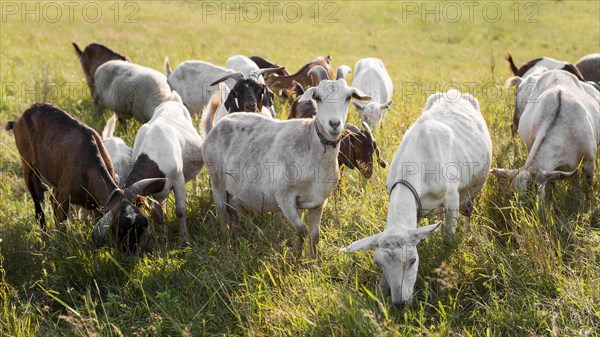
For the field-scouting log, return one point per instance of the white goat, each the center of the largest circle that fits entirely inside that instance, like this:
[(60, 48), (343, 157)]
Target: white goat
[(119, 152), (244, 65), (192, 81), (528, 90), (130, 90), (442, 161), (561, 129), (297, 171), (168, 146), (372, 78)]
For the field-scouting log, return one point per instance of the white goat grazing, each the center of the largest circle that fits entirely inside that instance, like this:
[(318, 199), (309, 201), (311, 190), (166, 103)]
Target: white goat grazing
[(372, 78), (244, 65), (119, 152), (192, 81), (168, 146), (296, 172), (561, 129), (130, 90), (528, 90), (443, 161)]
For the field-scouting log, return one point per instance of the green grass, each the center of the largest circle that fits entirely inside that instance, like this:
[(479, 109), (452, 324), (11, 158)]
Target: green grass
[(523, 270)]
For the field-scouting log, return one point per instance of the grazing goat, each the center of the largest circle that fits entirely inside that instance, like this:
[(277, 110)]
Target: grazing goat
[(93, 56), (285, 83), (528, 91), (589, 66), (59, 151), (372, 78), (297, 171), (168, 146), (119, 152), (530, 66), (131, 90), (561, 130), (247, 95), (192, 81), (356, 147), (442, 161)]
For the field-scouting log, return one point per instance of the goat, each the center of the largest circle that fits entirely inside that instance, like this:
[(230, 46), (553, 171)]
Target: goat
[(248, 95), (561, 130), (285, 83), (119, 152), (528, 90), (58, 150), (131, 90), (356, 147), (546, 62), (372, 78), (452, 137), (168, 146), (192, 79), (264, 64), (300, 162), (93, 56), (589, 67)]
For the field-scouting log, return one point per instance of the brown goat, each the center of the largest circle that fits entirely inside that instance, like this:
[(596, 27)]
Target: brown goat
[(285, 83), (92, 57), (265, 64), (59, 151), (356, 147)]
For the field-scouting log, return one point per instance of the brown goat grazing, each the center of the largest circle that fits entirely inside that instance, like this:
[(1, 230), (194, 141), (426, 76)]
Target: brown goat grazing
[(92, 57), (285, 83), (545, 62), (356, 147), (59, 151)]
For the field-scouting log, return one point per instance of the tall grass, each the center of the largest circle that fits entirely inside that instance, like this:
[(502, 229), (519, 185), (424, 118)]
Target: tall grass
[(524, 269)]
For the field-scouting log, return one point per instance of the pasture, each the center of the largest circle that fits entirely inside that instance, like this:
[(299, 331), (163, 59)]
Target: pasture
[(524, 268)]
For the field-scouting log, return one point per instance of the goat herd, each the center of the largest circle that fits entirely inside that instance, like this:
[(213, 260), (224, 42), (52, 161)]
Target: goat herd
[(557, 115)]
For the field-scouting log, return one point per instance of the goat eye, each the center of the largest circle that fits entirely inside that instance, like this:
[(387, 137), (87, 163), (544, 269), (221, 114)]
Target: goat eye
[(378, 264), (412, 262), (318, 99)]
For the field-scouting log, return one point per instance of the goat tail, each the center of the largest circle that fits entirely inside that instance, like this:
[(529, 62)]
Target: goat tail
[(10, 125), (547, 124), (209, 112), (77, 49), (167, 67), (109, 128), (511, 63)]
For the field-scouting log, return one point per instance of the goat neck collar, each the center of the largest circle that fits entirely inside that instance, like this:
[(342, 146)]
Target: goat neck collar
[(324, 140), (415, 194), (112, 194)]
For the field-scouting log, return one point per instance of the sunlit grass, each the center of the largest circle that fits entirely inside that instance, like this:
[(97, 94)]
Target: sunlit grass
[(524, 269)]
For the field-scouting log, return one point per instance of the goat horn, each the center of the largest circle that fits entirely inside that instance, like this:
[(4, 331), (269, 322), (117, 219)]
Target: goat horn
[(353, 128), (257, 73), (342, 72), (236, 76), (320, 73), (366, 127)]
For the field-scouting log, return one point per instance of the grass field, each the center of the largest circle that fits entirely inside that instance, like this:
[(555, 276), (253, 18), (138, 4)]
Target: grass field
[(524, 269)]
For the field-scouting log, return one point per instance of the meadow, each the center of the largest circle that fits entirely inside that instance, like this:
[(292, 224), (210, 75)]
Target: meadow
[(523, 269)]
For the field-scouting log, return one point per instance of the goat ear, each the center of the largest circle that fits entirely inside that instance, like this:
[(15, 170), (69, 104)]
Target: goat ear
[(359, 95), (109, 128), (308, 94), (363, 244), (231, 103), (550, 176), (145, 187), (469, 98), (342, 72), (514, 81), (101, 229), (267, 98), (385, 105), (504, 173), (420, 233), (358, 106)]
